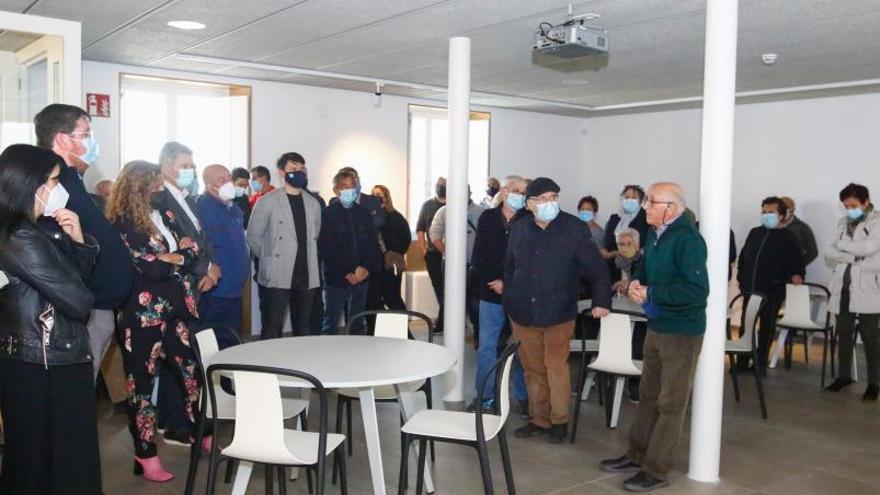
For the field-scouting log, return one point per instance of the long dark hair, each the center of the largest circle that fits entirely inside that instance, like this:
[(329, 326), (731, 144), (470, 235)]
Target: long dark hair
[(23, 169)]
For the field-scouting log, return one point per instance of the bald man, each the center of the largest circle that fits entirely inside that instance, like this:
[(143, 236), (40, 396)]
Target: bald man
[(672, 286), (223, 224), (802, 232)]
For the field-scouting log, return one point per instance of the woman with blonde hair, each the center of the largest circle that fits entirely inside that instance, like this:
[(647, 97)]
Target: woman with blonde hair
[(154, 323)]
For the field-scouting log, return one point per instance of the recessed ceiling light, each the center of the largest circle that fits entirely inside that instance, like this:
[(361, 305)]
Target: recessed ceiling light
[(769, 58), (187, 25)]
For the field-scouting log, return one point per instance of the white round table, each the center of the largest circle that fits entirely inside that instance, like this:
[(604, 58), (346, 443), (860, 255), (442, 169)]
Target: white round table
[(349, 361)]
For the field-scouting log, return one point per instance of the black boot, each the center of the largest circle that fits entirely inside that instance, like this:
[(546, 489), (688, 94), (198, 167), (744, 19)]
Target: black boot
[(871, 392), (839, 384)]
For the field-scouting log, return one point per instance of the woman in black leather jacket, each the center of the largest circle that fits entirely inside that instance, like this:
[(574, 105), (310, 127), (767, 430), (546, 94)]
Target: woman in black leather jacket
[(47, 395)]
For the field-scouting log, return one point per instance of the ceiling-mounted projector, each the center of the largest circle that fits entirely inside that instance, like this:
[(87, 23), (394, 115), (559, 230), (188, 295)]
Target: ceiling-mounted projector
[(570, 40)]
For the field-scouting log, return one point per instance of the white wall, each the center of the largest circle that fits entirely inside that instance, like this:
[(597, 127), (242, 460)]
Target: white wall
[(807, 149), (334, 128)]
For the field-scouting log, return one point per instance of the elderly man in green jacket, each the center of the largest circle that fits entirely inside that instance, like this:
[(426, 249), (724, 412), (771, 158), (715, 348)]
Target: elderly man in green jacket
[(672, 286)]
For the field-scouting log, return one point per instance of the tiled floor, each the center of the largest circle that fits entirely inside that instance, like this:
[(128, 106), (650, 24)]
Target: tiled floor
[(813, 443)]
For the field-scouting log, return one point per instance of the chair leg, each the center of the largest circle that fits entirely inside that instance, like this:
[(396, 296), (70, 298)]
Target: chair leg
[(578, 394), (789, 347), (348, 427), (430, 402), (321, 476), (404, 463), (282, 481), (505, 458), (270, 480), (759, 385), (309, 480), (808, 341), (609, 401), (343, 476), (213, 465), (733, 377), (420, 468), (230, 471), (618, 398), (484, 469), (825, 337)]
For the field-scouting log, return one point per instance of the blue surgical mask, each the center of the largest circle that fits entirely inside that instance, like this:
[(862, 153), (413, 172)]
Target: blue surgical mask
[(770, 220), (547, 212), (586, 215), (854, 213), (515, 201), (93, 150), (347, 197), (630, 205), (186, 178), (256, 186)]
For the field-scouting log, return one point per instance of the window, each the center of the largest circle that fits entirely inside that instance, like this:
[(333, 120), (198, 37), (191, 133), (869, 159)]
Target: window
[(429, 154), (211, 119)]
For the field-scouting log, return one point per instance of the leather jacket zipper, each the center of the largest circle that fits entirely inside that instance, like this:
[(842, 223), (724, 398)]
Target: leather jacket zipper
[(47, 318)]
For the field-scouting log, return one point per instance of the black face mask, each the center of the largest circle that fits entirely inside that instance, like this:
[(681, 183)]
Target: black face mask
[(157, 200), (492, 191), (440, 191), (297, 179)]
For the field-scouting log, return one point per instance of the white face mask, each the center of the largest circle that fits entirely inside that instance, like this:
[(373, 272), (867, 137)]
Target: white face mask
[(56, 200), (226, 192), (240, 191)]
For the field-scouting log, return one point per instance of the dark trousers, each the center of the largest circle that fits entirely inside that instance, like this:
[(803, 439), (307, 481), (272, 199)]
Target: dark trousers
[(276, 301), (434, 264), (665, 390), (767, 329), (391, 295), (869, 327), (51, 429), (349, 301), (223, 315)]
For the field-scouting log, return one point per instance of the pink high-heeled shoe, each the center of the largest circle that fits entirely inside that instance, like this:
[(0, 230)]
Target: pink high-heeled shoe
[(207, 443), (151, 469)]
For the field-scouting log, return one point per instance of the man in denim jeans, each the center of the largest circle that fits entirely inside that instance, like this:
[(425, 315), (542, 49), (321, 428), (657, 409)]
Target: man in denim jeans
[(490, 249), (349, 250)]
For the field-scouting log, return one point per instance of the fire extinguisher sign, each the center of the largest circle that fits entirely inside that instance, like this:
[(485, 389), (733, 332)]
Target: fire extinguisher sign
[(98, 105)]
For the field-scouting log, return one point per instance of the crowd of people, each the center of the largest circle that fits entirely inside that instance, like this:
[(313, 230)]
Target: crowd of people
[(146, 262)]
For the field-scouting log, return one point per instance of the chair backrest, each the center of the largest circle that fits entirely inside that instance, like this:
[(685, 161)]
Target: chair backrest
[(259, 419), (615, 345), (501, 402), (797, 306), (393, 323), (750, 319), (205, 347)]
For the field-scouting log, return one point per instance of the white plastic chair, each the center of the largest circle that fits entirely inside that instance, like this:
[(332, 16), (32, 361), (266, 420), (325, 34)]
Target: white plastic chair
[(745, 345), (394, 325), (260, 435), (798, 318), (473, 429), (615, 360)]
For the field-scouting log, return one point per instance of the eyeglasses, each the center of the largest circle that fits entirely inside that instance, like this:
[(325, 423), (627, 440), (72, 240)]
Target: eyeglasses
[(648, 202), (80, 135)]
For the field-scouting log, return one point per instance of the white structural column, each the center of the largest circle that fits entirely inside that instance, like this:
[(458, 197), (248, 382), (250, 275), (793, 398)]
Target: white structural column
[(456, 210), (719, 85)]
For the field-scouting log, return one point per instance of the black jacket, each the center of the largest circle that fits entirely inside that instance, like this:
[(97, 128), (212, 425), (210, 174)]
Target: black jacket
[(395, 233), (490, 249), (768, 260), (640, 223), (200, 265), (348, 239), (111, 279), (543, 269), (45, 307)]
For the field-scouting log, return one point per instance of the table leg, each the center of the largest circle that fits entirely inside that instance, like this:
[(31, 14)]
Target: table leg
[(408, 409), (371, 431), (242, 477)]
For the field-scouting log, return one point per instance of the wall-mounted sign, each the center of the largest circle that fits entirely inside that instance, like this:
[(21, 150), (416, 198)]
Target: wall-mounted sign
[(98, 105)]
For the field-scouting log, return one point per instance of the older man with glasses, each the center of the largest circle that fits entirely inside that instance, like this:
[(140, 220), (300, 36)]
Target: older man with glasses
[(547, 256), (672, 286)]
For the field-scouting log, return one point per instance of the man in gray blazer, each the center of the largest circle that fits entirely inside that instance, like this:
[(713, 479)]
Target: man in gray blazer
[(282, 234)]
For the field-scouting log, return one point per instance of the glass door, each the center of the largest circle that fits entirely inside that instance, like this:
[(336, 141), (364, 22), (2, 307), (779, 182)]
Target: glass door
[(39, 65)]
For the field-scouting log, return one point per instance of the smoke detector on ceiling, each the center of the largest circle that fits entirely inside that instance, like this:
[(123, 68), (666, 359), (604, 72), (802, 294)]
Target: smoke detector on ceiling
[(769, 58)]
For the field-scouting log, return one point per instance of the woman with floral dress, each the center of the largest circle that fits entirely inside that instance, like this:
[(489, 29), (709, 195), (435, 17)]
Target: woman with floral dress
[(154, 323)]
